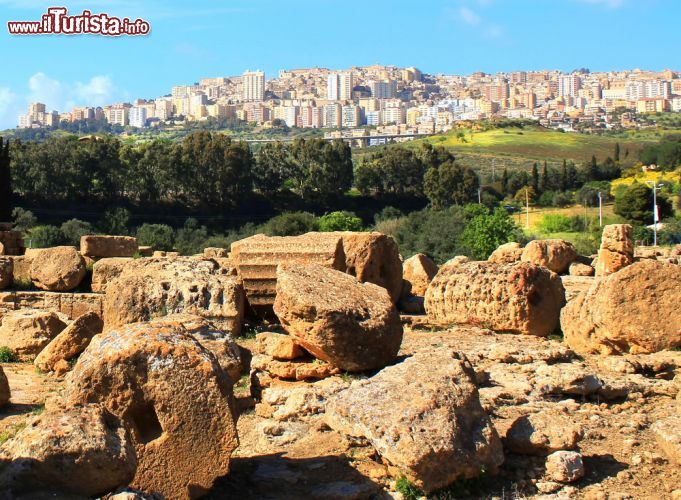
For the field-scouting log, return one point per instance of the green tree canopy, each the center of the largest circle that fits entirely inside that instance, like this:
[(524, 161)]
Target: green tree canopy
[(636, 204), (450, 184)]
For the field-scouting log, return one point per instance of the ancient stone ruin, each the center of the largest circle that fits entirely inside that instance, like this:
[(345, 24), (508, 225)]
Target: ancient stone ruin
[(326, 366)]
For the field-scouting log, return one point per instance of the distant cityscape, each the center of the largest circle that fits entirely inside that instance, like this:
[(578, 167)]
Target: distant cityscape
[(387, 100)]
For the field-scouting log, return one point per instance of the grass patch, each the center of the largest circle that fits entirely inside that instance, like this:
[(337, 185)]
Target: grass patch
[(38, 409), (7, 355), (407, 489), (22, 284), (243, 383), (12, 431), (250, 330), (473, 487), (535, 142), (349, 377)]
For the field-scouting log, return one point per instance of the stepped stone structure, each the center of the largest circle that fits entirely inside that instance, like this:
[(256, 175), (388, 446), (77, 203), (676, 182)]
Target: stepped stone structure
[(72, 305), (256, 259), (370, 257)]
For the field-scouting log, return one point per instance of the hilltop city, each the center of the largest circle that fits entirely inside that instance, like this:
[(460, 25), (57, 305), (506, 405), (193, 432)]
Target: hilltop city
[(387, 101)]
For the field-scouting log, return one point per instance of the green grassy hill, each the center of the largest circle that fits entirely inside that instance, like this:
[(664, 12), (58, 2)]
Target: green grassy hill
[(514, 148)]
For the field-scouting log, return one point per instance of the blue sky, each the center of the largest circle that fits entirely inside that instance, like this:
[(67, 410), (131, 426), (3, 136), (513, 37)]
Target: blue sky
[(190, 40)]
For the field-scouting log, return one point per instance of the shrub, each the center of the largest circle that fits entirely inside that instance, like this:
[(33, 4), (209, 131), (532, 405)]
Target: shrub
[(7, 356), (433, 232), (562, 199), (387, 213), (116, 220), (158, 236), (291, 224), (407, 489), (635, 204), (73, 229), (671, 234), (485, 232), (587, 243), (340, 221), (191, 238), (23, 219), (46, 236), (546, 199), (555, 223)]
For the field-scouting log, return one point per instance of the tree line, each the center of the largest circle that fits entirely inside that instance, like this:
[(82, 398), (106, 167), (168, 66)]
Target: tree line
[(204, 170), (211, 171)]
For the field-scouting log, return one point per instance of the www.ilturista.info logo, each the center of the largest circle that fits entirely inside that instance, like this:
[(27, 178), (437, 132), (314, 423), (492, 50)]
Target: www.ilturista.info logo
[(57, 22)]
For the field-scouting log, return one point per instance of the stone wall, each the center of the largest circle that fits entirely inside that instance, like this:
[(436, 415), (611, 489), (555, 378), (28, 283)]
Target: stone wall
[(70, 304)]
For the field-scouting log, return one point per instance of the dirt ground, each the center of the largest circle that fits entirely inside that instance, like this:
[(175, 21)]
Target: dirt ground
[(297, 456)]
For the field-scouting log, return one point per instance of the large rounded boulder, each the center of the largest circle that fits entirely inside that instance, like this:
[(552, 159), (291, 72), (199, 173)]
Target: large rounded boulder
[(352, 325), (173, 395), (77, 452), (518, 298), (373, 257), (555, 255), (57, 269), (635, 310)]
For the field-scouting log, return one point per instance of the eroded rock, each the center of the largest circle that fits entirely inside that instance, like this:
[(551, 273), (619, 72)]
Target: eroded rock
[(108, 246), (70, 342), (27, 331), (423, 416), (542, 433), (520, 298), (419, 270), (555, 255), (57, 269), (152, 288), (352, 325), (84, 450), (632, 311), (173, 395), (508, 253), (106, 270), (6, 272)]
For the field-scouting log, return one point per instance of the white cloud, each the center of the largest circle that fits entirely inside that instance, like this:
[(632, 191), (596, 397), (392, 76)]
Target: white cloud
[(44, 89), (472, 18), (469, 16), (57, 95), (61, 96), (97, 92)]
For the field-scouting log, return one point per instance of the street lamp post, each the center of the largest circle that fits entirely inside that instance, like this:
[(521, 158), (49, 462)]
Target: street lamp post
[(656, 215)]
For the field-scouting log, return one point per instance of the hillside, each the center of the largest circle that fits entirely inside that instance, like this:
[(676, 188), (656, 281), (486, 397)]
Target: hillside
[(513, 147)]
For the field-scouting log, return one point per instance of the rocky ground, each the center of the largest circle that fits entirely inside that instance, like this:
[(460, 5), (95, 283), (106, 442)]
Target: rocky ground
[(287, 450)]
